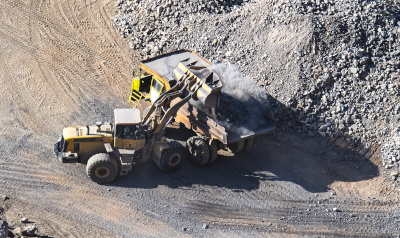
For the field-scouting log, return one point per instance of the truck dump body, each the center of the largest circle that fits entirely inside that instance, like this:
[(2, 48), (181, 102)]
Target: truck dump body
[(204, 114), (203, 123), (163, 66)]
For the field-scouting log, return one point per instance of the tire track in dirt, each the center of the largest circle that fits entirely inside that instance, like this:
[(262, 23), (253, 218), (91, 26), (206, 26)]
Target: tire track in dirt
[(29, 181), (59, 60), (76, 94), (51, 72)]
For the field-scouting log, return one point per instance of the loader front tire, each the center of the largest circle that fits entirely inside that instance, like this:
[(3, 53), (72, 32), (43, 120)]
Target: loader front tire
[(198, 149), (102, 168), (172, 158)]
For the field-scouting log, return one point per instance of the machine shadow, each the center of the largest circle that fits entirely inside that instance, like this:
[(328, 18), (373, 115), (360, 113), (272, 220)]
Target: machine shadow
[(310, 162)]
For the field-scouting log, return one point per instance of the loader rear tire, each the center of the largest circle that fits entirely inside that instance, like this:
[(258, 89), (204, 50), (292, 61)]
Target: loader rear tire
[(102, 168), (198, 149), (213, 151), (172, 158), (248, 143), (237, 146)]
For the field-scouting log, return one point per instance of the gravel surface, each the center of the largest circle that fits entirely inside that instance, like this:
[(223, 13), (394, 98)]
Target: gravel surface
[(63, 63)]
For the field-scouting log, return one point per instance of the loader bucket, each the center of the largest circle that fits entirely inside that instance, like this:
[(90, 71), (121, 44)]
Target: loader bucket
[(211, 86)]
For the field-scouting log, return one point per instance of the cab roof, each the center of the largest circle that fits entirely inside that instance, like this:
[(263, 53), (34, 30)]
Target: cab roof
[(127, 116)]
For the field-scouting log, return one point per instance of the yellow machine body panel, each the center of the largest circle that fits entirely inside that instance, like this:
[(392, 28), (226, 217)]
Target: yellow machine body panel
[(87, 140)]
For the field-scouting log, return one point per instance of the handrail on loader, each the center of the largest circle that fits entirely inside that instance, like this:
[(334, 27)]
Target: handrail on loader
[(135, 96)]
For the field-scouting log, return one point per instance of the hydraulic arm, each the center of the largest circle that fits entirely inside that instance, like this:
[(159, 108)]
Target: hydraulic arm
[(185, 89)]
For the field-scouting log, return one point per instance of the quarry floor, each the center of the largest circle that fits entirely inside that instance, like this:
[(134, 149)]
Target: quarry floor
[(63, 64)]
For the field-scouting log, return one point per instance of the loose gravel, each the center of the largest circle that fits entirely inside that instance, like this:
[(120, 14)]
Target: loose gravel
[(330, 67)]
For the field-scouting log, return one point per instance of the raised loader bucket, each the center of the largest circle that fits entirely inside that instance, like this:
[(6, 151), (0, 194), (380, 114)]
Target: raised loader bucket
[(211, 87)]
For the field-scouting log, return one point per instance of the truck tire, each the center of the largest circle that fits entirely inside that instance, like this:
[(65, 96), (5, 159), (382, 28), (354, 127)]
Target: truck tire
[(213, 147), (237, 146), (248, 143), (198, 149), (172, 158), (102, 168)]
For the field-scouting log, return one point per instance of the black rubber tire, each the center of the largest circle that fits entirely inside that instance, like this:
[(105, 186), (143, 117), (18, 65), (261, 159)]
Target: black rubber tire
[(198, 149), (248, 143), (213, 147), (172, 158), (102, 168), (237, 146)]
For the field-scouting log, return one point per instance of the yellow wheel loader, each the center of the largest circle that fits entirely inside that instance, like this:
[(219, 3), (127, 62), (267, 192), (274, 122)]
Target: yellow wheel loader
[(169, 81), (111, 150)]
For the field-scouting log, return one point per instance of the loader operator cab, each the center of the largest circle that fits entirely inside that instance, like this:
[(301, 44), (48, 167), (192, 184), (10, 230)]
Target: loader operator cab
[(129, 132), (133, 132)]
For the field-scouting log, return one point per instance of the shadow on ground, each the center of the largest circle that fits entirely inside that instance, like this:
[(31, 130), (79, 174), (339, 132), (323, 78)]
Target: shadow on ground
[(311, 162)]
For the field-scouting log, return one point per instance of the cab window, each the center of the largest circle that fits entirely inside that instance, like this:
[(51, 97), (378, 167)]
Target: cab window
[(157, 85), (132, 132)]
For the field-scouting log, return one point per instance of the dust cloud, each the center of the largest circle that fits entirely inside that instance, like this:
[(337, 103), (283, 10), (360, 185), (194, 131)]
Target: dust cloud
[(244, 104)]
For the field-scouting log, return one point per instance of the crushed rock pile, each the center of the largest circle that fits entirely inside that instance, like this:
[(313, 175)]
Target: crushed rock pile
[(3, 227), (330, 67)]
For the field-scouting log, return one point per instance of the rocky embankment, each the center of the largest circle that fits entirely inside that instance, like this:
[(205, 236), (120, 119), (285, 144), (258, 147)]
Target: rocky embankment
[(330, 67)]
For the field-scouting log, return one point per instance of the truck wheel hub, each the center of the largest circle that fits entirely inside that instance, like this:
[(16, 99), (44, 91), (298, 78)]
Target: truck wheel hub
[(102, 172), (174, 160)]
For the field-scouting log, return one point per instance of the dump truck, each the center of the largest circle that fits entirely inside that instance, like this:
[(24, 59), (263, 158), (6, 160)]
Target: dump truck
[(109, 150), (203, 113)]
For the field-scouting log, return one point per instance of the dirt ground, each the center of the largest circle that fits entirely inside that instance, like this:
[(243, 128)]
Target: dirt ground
[(63, 64)]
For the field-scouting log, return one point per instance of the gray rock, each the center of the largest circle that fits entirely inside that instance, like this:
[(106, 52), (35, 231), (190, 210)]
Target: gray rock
[(18, 231), (205, 226), (323, 128), (335, 209), (353, 70), (24, 220), (3, 228), (160, 10), (363, 61), (360, 53), (25, 231)]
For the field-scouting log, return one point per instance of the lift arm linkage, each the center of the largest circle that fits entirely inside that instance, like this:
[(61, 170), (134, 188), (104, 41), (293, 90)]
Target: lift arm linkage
[(186, 87)]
